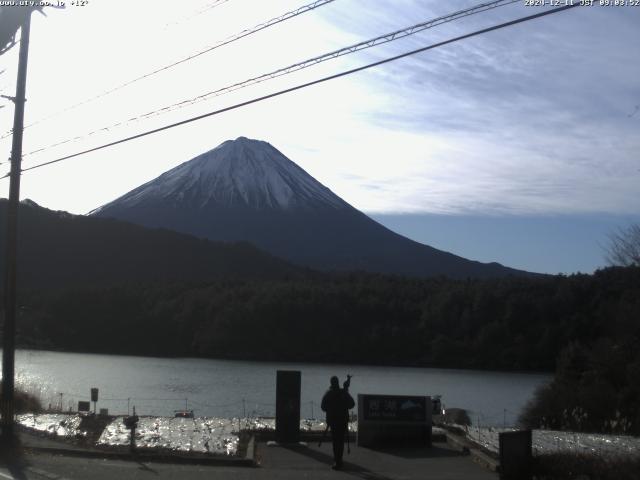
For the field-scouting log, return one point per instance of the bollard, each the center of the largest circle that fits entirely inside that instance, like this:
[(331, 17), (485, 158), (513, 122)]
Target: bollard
[(131, 423), (515, 455)]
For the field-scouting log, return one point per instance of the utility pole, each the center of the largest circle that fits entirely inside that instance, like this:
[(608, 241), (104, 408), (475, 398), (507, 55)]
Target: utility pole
[(11, 247)]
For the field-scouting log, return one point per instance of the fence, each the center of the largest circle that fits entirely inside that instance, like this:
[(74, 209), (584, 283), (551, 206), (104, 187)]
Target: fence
[(242, 408)]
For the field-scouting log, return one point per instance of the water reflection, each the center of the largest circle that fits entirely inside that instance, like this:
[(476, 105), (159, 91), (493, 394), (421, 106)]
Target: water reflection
[(227, 389)]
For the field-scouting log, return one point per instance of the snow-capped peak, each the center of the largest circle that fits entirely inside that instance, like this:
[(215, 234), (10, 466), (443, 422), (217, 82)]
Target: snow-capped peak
[(238, 172)]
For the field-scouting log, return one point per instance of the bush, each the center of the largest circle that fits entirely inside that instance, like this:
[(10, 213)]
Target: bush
[(25, 402), (459, 416), (594, 390)]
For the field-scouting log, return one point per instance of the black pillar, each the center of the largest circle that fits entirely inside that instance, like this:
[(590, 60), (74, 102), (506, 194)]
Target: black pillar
[(288, 406)]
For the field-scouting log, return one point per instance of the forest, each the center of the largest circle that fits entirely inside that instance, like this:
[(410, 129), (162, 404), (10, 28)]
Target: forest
[(584, 327), (510, 323)]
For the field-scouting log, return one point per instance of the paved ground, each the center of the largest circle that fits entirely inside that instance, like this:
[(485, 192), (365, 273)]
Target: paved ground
[(439, 462), (310, 462)]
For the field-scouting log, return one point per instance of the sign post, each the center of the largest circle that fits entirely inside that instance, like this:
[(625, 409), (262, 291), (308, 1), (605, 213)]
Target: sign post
[(288, 383), (131, 423), (94, 398)]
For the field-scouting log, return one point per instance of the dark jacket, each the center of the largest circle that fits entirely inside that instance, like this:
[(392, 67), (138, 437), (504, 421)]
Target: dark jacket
[(336, 403)]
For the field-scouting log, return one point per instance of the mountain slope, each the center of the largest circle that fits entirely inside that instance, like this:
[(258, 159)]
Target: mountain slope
[(246, 190), (57, 250)]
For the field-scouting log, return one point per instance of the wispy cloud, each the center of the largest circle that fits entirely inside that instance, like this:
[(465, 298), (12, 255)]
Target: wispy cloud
[(532, 119), (535, 118)]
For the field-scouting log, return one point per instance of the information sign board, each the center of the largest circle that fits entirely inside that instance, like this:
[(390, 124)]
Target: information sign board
[(395, 408), (393, 420)]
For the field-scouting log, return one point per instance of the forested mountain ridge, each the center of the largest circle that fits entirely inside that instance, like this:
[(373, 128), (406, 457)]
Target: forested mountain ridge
[(59, 250)]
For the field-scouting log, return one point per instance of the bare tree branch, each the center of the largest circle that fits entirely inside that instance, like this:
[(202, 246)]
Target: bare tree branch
[(624, 246)]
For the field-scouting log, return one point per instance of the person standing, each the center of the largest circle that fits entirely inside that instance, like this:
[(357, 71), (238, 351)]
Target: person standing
[(336, 404)]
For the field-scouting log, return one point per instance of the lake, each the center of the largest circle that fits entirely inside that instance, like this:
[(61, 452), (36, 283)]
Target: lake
[(230, 388)]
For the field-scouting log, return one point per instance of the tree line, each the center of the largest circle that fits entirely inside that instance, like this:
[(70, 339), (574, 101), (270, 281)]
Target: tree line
[(509, 323)]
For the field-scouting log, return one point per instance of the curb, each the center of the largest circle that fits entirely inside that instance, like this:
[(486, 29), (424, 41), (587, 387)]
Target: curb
[(485, 460), (247, 461), (477, 455), (458, 442)]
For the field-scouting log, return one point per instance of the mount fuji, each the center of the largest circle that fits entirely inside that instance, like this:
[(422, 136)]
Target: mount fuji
[(246, 190)]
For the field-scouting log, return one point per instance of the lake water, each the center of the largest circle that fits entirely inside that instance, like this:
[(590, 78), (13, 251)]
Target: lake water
[(228, 388)]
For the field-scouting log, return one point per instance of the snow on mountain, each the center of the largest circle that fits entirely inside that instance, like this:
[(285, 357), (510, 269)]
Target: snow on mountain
[(239, 172)]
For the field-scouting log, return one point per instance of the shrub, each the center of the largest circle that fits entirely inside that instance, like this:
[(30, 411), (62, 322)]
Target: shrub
[(25, 402), (594, 390), (458, 416)]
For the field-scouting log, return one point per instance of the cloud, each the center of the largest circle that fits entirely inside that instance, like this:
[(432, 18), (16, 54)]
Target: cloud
[(532, 119)]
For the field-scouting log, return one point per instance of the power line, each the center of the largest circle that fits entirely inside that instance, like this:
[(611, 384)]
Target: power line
[(244, 33), (382, 39), (197, 13), (308, 84), (211, 6)]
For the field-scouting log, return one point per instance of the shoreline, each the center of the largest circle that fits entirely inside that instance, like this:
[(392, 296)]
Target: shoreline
[(291, 362)]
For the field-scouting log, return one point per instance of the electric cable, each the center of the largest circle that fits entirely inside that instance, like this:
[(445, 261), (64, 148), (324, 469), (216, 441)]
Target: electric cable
[(211, 6), (244, 33), (382, 39), (308, 84)]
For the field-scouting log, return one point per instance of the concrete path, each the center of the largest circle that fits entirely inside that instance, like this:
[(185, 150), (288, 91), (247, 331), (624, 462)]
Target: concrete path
[(312, 462), (439, 462)]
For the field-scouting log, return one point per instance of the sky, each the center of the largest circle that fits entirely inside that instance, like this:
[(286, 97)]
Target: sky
[(519, 146)]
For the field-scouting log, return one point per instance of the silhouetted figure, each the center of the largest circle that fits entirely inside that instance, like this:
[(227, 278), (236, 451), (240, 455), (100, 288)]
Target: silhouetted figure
[(336, 403)]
